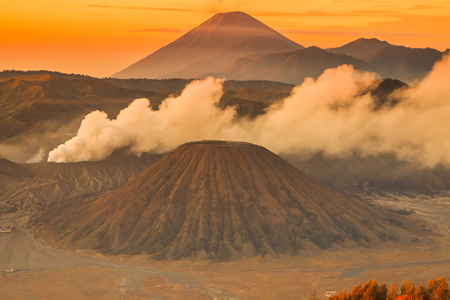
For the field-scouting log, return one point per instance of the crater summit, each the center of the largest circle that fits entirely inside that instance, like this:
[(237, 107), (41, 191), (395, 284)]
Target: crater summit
[(222, 200)]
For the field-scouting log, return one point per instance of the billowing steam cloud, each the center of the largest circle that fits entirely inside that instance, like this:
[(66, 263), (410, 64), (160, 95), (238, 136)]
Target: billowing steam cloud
[(327, 115), (191, 116)]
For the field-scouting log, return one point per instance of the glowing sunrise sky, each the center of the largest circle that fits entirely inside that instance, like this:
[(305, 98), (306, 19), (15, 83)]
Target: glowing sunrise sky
[(98, 37)]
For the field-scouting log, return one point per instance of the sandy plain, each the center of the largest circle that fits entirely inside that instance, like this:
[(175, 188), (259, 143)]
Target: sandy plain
[(45, 272)]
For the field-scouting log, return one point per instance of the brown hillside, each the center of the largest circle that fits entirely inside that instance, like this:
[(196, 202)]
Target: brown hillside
[(217, 200), (26, 102), (37, 186)]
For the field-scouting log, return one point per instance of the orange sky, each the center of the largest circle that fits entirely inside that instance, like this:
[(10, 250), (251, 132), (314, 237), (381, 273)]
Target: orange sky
[(99, 37)]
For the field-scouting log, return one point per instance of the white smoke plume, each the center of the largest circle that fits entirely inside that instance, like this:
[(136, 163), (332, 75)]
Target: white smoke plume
[(191, 116), (38, 157), (327, 115)]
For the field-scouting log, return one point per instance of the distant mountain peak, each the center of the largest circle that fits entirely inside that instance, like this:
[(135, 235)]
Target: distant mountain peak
[(399, 62), (362, 48), (315, 49), (234, 14), (367, 42), (369, 39), (233, 27), (234, 17), (210, 48), (291, 67), (233, 20)]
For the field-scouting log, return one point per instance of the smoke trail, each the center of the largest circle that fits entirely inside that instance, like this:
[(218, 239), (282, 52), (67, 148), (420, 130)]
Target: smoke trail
[(328, 115), (38, 157)]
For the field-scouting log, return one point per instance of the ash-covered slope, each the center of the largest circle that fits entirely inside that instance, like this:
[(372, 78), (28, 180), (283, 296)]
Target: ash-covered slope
[(210, 47), (34, 187), (217, 200)]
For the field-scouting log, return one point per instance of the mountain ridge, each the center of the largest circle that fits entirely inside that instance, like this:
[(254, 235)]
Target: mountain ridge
[(31, 100), (393, 61), (361, 48), (291, 67)]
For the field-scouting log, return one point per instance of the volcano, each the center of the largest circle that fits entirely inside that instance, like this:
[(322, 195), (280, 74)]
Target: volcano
[(218, 200), (210, 48)]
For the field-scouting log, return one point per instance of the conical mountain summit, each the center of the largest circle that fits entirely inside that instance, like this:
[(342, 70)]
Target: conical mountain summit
[(219, 200), (210, 48)]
